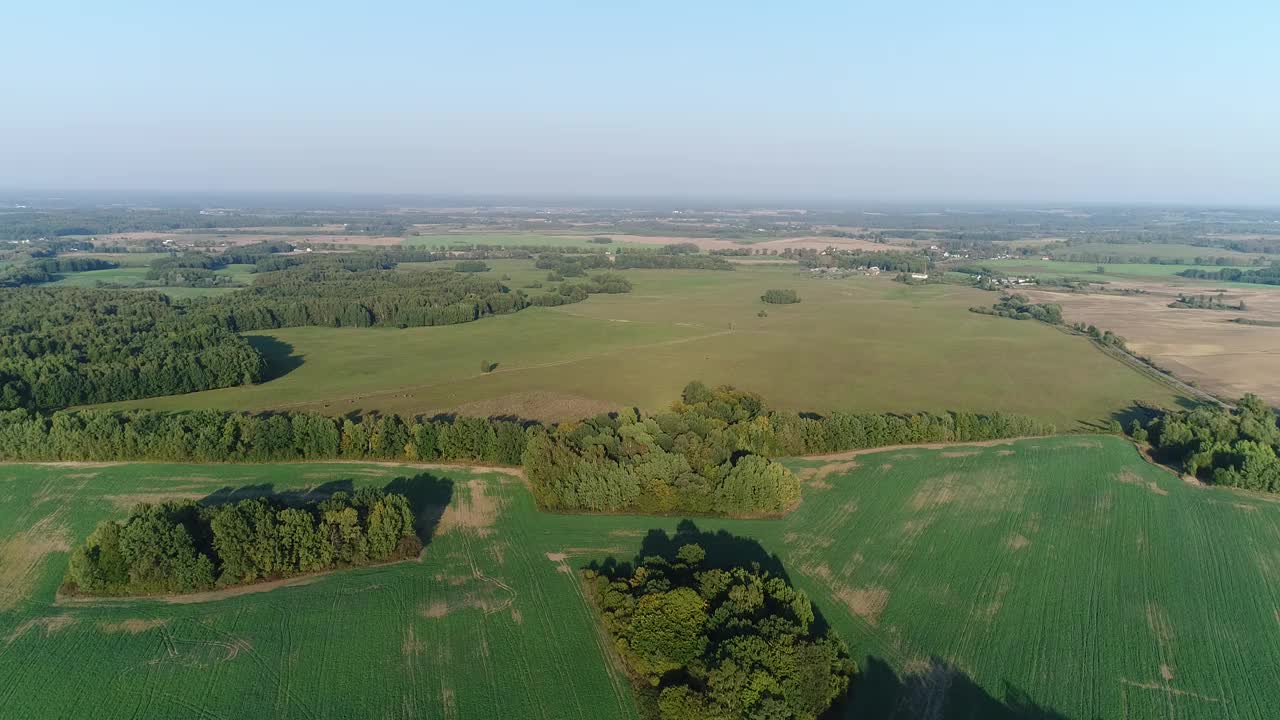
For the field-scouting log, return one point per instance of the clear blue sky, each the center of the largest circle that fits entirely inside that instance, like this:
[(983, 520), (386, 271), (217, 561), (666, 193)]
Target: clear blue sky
[(1026, 101)]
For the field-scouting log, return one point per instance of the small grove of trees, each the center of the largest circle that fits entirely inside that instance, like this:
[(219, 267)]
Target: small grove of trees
[(1019, 307), (702, 640), (181, 546), (471, 266), (780, 297), (712, 452), (221, 436), (1234, 447), (1205, 302)]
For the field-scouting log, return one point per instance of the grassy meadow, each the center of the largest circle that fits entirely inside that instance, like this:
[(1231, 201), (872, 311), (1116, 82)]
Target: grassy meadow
[(1056, 575), (853, 344), (511, 239)]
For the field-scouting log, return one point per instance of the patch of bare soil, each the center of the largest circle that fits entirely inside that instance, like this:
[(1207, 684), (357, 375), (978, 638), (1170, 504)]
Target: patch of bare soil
[(23, 555), (542, 404), (959, 453), (1017, 541), (865, 602), (133, 626), (46, 625), (849, 454), (411, 645), (474, 511), (1129, 477)]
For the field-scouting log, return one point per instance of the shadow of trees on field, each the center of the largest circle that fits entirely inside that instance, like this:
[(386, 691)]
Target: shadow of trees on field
[(937, 689), (929, 689), (428, 496), (278, 354)]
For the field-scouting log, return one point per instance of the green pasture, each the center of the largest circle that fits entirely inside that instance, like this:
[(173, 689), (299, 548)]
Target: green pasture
[(852, 344), (1046, 578)]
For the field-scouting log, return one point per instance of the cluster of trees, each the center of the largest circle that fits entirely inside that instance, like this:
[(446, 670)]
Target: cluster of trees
[(182, 546), (1019, 307), (46, 269), (780, 297), (471, 266), (226, 436), (1263, 276), (1235, 447), (74, 346), (707, 639), (1205, 302), (886, 261), (711, 453)]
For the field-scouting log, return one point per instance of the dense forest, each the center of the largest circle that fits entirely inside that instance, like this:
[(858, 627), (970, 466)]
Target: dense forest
[(332, 295), (70, 346), (710, 636), (1234, 447), (182, 546), (712, 452)]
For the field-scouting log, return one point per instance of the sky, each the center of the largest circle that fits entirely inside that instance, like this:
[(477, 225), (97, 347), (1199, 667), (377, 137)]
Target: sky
[(1117, 101)]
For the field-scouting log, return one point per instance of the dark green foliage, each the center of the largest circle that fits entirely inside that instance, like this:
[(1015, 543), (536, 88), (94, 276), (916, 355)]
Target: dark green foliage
[(42, 270), (1236, 447), (1264, 276), (709, 637), (709, 454), (70, 346), (471, 266), (857, 259), (178, 547), (780, 297), (1019, 308), (221, 436), (601, 240)]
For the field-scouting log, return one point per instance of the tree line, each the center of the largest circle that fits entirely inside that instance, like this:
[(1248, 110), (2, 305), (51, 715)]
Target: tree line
[(780, 297), (1236, 447), (859, 259), (1263, 276), (183, 546), (712, 452), (201, 436), (74, 346), (43, 270), (713, 637)]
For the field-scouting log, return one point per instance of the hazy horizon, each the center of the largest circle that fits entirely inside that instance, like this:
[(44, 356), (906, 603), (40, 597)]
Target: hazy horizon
[(990, 103)]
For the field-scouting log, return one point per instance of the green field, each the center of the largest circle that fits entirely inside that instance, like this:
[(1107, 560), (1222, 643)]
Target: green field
[(1088, 271), (854, 344), (1061, 574), (137, 274)]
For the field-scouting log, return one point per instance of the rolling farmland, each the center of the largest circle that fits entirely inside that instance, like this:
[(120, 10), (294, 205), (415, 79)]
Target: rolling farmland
[(1060, 575), (866, 343)]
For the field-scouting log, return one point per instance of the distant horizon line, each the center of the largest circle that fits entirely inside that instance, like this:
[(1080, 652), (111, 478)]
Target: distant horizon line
[(569, 199)]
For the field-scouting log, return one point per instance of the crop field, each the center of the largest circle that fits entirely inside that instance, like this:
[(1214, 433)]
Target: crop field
[(512, 239), (859, 343), (1039, 576), (134, 274)]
